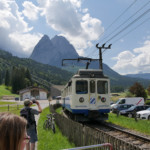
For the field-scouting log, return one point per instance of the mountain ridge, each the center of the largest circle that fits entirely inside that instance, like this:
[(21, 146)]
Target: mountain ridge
[(139, 75), (66, 50), (53, 73), (52, 51)]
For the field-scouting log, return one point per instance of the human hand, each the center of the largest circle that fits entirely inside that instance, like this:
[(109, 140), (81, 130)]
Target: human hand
[(37, 102)]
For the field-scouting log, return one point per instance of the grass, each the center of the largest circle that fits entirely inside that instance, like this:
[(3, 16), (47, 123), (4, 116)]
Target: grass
[(6, 103), (4, 90), (59, 110), (47, 139), (12, 108), (115, 98), (142, 126)]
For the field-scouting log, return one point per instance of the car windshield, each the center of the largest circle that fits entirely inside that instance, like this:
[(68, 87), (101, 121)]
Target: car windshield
[(148, 109), (131, 108), (117, 101)]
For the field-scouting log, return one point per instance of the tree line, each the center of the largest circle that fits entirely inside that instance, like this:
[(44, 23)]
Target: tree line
[(138, 90), (18, 78)]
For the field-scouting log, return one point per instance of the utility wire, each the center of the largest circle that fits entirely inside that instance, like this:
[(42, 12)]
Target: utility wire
[(125, 21), (115, 21), (119, 16), (131, 30), (147, 11)]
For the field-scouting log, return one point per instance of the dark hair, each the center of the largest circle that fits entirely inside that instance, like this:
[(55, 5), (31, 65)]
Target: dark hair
[(12, 129), (27, 102)]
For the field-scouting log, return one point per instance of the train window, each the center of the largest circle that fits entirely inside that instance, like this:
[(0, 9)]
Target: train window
[(81, 87), (92, 86), (102, 87)]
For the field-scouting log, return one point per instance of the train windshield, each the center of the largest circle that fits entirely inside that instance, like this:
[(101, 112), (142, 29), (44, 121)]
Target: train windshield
[(102, 87), (82, 87)]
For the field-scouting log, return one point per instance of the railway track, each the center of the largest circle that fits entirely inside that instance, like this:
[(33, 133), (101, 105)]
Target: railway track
[(121, 138), (128, 136), (141, 141)]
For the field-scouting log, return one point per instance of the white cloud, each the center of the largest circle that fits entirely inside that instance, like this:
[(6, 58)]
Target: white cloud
[(25, 40), (133, 62), (122, 40), (30, 10), (14, 29), (85, 10), (66, 17)]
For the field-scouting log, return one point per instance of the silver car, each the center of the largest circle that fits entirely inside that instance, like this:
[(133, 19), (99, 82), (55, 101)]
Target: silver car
[(144, 114)]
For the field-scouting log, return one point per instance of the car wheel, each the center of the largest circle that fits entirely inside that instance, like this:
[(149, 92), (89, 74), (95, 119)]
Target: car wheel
[(130, 115), (149, 117)]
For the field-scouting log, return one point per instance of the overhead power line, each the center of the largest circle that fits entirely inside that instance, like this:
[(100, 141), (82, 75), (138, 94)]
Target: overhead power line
[(131, 30), (135, 20), (115, 21), (118, 27), (119, 16)]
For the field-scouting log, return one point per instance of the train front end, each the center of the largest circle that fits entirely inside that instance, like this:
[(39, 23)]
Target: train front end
[(90, 98)]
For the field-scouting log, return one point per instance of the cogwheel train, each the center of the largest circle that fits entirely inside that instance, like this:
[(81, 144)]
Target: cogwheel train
[(87, 96)]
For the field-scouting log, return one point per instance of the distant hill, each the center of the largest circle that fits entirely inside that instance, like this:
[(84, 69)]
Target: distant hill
[(44, 75), (140, 75)]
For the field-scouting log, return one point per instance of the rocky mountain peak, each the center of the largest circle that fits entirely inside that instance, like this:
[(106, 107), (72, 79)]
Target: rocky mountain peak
[(65, 48), (44, 42), (53, 51)]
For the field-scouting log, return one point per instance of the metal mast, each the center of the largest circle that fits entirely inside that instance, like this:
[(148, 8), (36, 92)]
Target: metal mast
[(100, 54)]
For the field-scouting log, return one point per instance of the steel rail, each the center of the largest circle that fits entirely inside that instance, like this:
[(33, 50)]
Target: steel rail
[(127, 132), (92, 146), (107, 125)]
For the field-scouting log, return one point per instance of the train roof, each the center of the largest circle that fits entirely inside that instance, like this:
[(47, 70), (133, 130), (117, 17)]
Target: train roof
[(89, 73)]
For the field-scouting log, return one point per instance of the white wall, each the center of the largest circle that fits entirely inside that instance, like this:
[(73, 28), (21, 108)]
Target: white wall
[(26, 95), (43, 95)]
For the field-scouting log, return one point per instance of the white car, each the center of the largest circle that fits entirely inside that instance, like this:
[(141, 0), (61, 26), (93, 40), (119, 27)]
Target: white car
[(144, 114)]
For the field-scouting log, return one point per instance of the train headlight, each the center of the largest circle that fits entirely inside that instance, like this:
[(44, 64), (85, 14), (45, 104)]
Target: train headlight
[(103, 99), (81, 99)]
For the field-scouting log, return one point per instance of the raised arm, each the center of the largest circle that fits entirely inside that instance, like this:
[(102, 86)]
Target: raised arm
[(39, 107)]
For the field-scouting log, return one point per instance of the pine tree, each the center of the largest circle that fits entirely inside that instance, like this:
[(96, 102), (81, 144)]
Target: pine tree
[(148, 90), (1, 80), (7, 78), (20, 79), (28, 78), (14, 81)]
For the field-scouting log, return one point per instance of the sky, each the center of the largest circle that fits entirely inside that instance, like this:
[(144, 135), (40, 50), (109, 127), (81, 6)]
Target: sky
[(123, 23)]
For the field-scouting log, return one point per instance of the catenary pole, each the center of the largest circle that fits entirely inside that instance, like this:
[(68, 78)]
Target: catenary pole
[(100, 54)]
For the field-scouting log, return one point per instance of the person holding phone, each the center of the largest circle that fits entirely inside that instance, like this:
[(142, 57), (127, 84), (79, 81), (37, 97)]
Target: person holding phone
[(28, 113)]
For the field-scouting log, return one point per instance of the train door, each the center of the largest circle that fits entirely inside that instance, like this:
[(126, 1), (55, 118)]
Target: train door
[(92, 94)]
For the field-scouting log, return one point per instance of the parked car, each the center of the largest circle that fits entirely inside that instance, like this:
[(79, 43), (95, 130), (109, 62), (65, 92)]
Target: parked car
[(16, 98), (132, 110), (58, 99), (129, 100), (144, 114), (120, 107)]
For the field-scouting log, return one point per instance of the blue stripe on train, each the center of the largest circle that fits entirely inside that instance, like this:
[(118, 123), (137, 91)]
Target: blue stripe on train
[(85, 111)]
